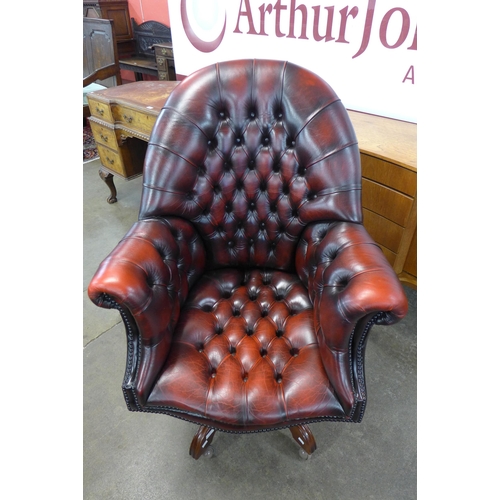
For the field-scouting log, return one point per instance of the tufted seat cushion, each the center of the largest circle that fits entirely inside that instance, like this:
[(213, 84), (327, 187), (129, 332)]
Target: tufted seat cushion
[(245, 353)]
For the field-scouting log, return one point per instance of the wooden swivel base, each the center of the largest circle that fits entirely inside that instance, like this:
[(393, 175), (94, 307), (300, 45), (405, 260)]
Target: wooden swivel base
[(201, 443), (304, 437)]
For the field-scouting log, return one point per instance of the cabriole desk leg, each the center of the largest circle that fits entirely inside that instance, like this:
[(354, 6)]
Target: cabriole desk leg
[(108, 179)]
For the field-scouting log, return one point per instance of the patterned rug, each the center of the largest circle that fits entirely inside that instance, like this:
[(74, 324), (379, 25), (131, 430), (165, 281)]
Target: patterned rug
[(89, 147)]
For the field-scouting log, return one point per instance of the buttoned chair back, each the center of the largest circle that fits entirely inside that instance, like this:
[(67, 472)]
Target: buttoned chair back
[(251, 152)]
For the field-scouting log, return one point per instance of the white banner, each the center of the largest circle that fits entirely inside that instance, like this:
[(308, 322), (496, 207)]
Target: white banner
[(366, 50)]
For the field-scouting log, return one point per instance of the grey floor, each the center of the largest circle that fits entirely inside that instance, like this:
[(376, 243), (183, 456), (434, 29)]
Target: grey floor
[(141, 456)]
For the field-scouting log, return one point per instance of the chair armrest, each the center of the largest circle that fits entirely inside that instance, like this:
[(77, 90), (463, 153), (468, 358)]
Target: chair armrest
[(352, 286), (103, 73), (342, 261), (147, 278)]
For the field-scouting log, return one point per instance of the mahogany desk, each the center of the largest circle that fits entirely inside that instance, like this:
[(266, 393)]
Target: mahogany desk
[(122, 119)]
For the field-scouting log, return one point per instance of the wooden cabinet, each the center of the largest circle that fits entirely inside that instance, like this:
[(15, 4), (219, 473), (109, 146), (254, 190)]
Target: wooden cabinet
[(117, 10), (389, 188)]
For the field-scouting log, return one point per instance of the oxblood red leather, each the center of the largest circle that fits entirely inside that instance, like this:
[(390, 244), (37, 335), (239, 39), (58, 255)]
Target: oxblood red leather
[(248, 285)]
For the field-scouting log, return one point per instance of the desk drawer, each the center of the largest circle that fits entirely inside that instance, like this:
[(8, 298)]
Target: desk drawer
[(387, 173), (139, 122), (111, 159), (104, 135), (100, 110), (382, 230), (386, 202), (162, 51)]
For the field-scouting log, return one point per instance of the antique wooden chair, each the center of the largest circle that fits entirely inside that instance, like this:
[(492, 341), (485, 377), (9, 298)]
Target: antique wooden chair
[(143, 60), (249, 285), (101, 68)]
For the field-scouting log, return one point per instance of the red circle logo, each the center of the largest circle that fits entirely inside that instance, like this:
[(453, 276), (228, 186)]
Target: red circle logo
[(195, 40)]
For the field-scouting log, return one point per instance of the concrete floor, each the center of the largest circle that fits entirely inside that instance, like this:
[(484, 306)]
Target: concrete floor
[(130, 455)]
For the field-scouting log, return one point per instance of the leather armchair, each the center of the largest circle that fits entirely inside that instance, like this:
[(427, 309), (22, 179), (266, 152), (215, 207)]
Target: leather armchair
[(249, 285)]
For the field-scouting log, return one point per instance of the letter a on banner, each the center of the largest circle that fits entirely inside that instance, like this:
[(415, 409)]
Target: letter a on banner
[(410, 75)]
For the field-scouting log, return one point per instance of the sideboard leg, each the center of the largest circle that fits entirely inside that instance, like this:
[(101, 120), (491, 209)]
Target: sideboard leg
[(108, 179)]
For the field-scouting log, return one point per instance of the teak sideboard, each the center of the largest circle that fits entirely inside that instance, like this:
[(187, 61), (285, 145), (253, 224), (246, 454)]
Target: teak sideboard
[(122, 119), (389, 188)]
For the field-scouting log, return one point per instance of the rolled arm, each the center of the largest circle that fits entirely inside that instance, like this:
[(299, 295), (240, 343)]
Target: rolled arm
[(147, 278), (352, 286), (342, 261)]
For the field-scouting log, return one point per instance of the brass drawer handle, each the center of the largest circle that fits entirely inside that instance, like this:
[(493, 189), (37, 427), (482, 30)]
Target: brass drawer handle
[(128, 118), (104, 137), (110, 160)]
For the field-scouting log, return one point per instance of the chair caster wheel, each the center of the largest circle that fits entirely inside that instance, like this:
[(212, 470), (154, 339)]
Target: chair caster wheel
[(209, 451), (303, 454)]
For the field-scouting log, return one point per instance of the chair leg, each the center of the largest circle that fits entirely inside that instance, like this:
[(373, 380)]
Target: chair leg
[(200, 445), (304, 437)]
